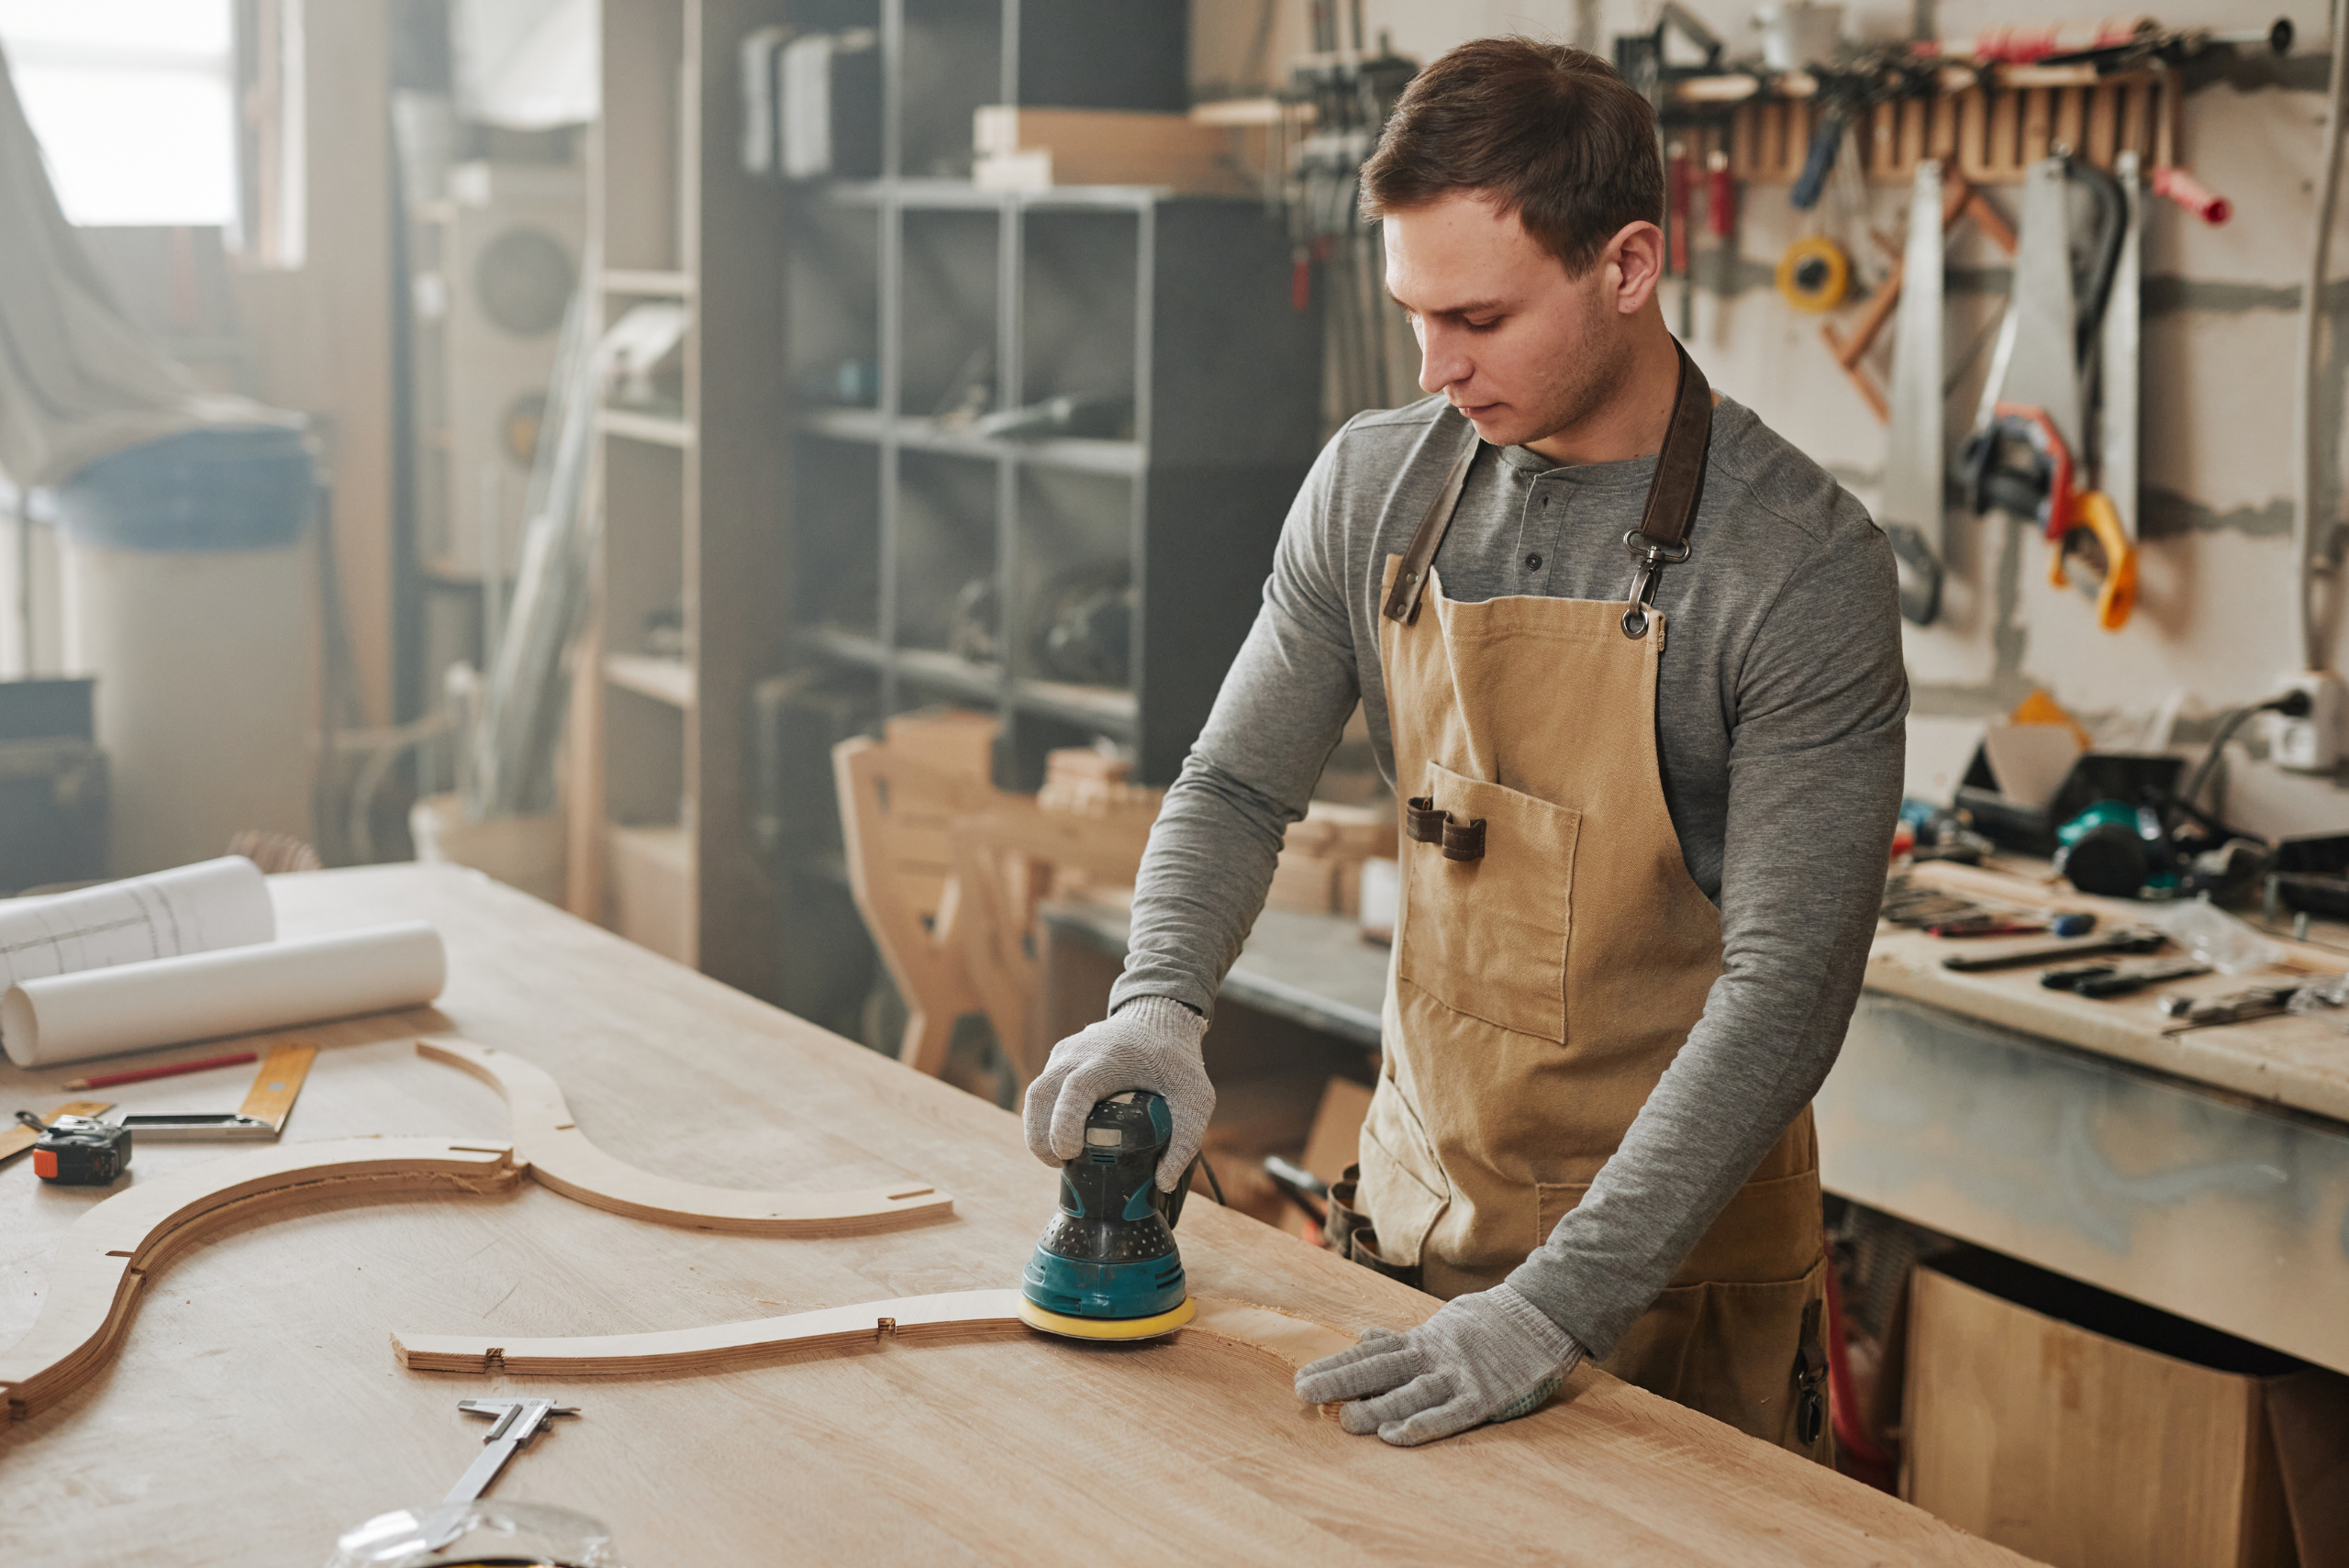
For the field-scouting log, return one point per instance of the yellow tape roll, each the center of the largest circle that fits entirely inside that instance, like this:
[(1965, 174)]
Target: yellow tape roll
[(1813, 274)]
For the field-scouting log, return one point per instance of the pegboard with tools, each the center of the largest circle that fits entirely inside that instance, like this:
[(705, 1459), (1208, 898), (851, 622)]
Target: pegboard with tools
[(1988, 108)]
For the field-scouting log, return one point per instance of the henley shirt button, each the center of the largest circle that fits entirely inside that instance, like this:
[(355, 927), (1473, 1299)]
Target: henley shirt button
[(1534, 563)]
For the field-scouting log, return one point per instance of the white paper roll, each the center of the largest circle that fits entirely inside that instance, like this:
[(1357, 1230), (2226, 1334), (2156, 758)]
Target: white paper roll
[(202, 907), (70, 1017)]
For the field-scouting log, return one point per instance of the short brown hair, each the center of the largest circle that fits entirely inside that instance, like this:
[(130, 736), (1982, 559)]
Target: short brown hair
[(1551, 133)]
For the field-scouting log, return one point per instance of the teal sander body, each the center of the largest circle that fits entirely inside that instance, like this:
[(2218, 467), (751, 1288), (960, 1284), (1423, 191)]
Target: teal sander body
[(1106, 1267)]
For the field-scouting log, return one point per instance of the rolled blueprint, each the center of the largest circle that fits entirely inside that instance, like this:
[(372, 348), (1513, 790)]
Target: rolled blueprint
[(194, 908), (69, 1018)]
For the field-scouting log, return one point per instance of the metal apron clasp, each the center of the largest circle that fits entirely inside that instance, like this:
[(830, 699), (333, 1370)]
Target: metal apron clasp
[(1653, 556)]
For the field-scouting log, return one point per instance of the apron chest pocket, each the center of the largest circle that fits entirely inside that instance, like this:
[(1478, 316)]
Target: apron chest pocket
[(1487, 936)]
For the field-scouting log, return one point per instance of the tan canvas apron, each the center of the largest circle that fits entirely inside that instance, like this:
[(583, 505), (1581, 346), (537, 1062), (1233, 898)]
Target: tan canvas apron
[(1552, 954)]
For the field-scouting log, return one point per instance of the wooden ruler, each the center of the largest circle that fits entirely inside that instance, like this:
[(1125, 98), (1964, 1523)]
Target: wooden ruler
[(279, 1080), (15, 1137)]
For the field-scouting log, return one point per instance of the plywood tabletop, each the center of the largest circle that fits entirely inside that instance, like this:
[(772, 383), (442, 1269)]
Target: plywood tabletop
[(2299, 1062), (256, 1408)]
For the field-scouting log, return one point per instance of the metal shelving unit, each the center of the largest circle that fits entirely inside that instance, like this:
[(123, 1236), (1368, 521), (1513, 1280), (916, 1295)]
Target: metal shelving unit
[(815, 529), (1177, 305)]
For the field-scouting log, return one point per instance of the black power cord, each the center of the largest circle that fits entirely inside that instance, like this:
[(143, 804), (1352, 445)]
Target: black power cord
[(2291, 705)]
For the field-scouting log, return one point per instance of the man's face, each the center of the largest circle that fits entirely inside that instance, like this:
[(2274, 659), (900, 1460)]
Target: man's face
[(1514, 343)]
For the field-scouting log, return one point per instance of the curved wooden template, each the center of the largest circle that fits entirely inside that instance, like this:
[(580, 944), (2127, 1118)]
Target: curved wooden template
[(106, 1256), (1280, 1340), (558, 1155)]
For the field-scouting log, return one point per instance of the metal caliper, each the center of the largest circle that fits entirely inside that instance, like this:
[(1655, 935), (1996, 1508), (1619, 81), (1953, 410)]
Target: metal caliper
[(515, 1422)]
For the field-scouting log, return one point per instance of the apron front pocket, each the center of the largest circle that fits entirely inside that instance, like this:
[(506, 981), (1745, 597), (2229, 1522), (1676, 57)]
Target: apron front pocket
[(1487, 936)]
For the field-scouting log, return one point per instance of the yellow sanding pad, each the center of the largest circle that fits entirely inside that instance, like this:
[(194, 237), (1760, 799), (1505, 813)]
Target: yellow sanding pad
[(1166, 1322)]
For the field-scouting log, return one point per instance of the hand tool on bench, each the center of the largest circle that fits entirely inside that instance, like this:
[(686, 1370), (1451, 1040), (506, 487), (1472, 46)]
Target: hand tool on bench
[(405, 1535), (260, 1119), (2131, 940), (2106, 980), (77, 1151), (15, 1139), (1994, 925), (2241, 1007), (515, 1423), (169, 1070), (1106, 1267)]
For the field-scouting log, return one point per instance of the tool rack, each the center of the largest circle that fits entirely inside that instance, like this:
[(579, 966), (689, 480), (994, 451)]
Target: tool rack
[(1989, 123)]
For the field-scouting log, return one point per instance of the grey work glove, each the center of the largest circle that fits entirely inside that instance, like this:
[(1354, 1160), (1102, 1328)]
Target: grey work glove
[(1493, 1356), (1151, 1042)]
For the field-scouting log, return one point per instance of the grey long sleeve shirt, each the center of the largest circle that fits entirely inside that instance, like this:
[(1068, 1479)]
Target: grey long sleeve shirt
[(1780, 707)]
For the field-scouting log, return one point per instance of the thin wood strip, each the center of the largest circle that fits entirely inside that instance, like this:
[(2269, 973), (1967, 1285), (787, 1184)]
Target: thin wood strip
[(107, 1254), (1277, 1339), (1847, 359), (1992, 221), (558, 1155)]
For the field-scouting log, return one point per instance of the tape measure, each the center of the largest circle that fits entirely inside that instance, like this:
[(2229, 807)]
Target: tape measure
[(1814, 274), (77, 1151)]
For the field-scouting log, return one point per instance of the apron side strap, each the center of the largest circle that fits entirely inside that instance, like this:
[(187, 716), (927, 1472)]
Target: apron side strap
[(1403, 603)]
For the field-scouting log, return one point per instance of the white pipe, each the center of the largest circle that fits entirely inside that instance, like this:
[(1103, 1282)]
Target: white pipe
[(2305, 477)]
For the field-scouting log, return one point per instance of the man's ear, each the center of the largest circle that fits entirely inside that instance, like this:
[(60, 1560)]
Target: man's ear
[(1634, 263)]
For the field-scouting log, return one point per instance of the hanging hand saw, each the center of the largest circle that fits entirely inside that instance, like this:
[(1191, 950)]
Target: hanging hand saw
[(1911, 505)]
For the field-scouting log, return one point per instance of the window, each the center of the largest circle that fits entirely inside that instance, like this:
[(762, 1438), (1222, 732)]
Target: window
[(134, 104)]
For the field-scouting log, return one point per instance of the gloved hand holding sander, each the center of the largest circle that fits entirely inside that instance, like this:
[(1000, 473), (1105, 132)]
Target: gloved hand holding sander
[(1121, 1107), (1151, 1042)]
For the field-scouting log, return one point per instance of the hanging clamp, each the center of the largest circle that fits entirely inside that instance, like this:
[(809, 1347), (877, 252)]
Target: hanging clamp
[(1652, 555)]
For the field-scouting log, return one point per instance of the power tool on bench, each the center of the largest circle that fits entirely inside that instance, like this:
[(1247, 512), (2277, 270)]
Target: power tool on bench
[(1106, 1267)]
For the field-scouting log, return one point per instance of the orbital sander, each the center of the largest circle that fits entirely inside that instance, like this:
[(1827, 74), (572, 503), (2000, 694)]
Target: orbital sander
[(1106, 1267)]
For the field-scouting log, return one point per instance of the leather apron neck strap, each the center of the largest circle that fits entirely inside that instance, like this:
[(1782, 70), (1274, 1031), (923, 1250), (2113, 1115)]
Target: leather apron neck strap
[(1660, 539)]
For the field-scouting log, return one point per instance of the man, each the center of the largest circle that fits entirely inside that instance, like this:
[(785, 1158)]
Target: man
[(1640, 874)]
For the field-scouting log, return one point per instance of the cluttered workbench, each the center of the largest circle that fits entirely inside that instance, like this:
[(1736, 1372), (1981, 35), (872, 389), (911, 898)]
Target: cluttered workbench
[(255, 1407), (2202, 1170), (2199, 1165)]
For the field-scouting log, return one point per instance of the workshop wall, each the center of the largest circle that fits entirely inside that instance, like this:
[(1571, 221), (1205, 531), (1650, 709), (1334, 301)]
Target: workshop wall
[(321, 332), (2214, 619)]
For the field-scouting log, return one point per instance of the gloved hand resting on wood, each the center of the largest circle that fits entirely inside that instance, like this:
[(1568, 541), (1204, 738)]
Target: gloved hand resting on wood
[(1492, 1356), (1151, 1042)]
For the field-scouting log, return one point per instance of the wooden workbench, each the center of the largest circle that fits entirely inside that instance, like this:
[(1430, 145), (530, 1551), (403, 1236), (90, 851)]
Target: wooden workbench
[(2206, 1173), (255, 1410)]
